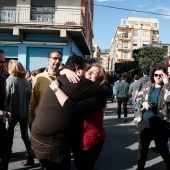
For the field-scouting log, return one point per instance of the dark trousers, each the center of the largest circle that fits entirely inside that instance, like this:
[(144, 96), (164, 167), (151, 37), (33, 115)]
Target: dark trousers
[(24, 134), (85, 160), (157, 132), (4, 154), (124, 101), (52, 158)]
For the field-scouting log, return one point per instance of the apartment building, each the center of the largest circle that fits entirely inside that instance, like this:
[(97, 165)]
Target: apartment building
[(132, 33), (29, 29), (96, 51), (104, 59)]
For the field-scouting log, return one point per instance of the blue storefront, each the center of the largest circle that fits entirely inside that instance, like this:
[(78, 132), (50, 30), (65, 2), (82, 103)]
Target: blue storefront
[(33, 51)]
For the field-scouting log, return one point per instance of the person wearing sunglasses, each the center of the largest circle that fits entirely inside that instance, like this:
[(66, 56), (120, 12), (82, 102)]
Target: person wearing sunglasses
[(152, 106)]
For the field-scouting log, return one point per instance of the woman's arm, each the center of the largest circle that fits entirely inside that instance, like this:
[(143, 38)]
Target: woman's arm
[(89, 105)]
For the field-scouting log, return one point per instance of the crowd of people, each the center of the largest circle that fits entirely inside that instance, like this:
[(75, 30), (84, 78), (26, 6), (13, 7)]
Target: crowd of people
[(53, 103), (57, 97)]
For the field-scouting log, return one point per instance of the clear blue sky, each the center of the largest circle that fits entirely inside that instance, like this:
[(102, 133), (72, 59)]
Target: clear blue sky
[(107, 19)]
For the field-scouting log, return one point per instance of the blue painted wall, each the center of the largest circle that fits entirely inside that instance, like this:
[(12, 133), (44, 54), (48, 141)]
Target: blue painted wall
[(20, 50)]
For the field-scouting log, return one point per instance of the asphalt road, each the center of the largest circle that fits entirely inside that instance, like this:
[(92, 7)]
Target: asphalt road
[(119, 151)]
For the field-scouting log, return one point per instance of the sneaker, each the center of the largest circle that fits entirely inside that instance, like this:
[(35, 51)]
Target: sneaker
[(118, 117), (124, 120)]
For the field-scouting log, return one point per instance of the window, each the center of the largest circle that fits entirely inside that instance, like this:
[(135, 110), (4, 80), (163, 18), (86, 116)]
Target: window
[(135, 33), (135, 43), (43, 10), (146, 33), (145, 43), (125, 35), (125, 54), (126, 44), (166, 47)]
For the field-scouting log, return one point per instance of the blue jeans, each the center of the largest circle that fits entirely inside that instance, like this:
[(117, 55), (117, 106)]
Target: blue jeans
[(134, 106), (112, 98), (24, 134)]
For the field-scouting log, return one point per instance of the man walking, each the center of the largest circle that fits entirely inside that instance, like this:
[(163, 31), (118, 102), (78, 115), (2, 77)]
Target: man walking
[(132, 91), (122, 96)]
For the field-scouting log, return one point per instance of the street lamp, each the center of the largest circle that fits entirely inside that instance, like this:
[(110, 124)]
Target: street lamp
[(160, 43), (93, 49), (140, 33)]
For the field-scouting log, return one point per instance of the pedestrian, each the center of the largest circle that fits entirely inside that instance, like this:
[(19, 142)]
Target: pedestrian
[(34, 73), (115, 89), (122, 95), (42, 81), (152, 106), (87, 147), (145, 79), (5, 69), (18, 96), (53, 132), (132, 91), (28, 75), (4, 147)]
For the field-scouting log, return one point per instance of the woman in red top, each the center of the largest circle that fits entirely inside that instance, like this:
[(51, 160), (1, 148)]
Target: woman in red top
[(92, 134)]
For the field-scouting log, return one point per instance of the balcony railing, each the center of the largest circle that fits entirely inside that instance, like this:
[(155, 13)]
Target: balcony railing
[(124, 36), (42, 15)]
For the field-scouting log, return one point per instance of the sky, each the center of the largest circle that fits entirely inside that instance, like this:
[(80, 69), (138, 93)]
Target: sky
[(107, 19)]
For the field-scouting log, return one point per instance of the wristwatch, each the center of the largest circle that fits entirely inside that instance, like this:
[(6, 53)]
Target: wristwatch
[(55, 90)]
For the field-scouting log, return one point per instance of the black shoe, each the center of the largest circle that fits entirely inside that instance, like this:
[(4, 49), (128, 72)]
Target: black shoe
[(28, 162), (124, 120), (154, 149), (118, 117), (11, 156)]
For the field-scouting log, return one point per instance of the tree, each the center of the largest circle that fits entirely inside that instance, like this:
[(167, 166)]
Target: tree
[(150, 56)]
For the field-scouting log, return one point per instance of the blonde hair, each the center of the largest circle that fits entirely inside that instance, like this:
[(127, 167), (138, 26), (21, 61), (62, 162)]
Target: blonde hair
[(16, 68), (102, 76)]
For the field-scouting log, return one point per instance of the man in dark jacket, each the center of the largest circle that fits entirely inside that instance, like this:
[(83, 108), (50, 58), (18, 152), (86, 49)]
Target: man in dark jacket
[(4, 156), (50, 134)]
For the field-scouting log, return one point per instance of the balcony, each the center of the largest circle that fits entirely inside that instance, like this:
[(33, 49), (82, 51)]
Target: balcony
[(155, 39), (120, 47), (42, 15), (123, 36)]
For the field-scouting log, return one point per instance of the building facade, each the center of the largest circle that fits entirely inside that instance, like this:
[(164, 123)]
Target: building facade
[(131, 34), (163, 45), (29, 29), (104, 59), (96, 51)]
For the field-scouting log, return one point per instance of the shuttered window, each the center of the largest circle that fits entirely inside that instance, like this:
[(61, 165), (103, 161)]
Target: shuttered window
[(37, 57)]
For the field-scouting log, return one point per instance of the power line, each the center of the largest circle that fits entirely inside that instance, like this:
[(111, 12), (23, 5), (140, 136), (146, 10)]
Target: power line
[(125, 9)]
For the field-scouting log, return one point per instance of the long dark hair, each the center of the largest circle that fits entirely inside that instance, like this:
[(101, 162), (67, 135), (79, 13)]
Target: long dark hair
[(155, 68)]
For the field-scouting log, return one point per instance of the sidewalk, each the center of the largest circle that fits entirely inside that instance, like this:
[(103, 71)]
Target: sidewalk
[(119, 151)]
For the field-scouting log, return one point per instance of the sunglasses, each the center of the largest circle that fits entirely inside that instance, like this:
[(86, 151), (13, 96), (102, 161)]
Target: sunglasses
[(1, 61), (56, 58), (158, 75)]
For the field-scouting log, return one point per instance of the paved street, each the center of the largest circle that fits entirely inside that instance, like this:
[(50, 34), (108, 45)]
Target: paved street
[(119, 151)]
